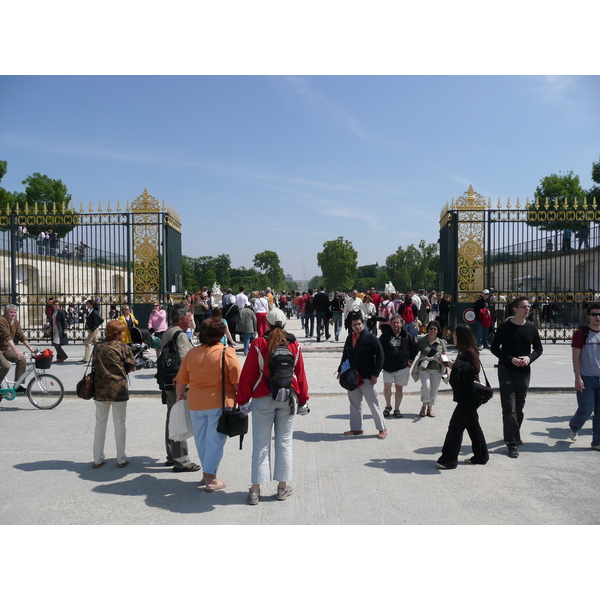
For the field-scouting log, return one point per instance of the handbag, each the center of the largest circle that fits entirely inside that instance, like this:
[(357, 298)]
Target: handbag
[(180, 422), (232, 421), (47, 331), (350, 378), (482, 393), (86, 387)]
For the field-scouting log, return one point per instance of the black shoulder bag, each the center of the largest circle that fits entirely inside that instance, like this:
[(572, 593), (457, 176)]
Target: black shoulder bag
[(350, 378), (232, 421), (482, 393)]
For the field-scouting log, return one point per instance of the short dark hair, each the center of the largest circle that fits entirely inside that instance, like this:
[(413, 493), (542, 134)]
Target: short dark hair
[(241, 288), (322, 288), (211, 331), (356, 316), (515, 303), (434, 324), (179, 311), (593, 306)]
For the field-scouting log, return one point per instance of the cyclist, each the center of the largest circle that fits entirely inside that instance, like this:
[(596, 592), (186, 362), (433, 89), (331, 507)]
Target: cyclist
[(10, 330)]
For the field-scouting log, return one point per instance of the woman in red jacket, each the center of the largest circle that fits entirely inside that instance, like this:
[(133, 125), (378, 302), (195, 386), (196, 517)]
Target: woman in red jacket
[(274, 404)]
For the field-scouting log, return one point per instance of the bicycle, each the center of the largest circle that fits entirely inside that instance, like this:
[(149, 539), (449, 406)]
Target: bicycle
[(44, 391)]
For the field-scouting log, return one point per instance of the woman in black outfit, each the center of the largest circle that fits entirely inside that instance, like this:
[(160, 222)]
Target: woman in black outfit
[(465, 370)]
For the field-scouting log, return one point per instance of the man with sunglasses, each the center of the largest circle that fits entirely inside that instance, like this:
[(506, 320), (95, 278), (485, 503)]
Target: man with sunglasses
[(585, 349), (513, 345)]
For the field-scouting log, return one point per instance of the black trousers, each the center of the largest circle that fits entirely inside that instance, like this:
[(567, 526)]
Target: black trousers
[(464, 417), (513, 391), (60, 353)]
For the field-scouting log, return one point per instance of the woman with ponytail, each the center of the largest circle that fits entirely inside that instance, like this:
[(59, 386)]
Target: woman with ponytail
[(273, 385)]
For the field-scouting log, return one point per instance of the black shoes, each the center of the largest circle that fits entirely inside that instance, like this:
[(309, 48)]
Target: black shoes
[(513, 452)]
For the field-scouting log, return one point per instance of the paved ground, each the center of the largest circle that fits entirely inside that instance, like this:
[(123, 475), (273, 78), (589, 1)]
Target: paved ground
[(337, 480)]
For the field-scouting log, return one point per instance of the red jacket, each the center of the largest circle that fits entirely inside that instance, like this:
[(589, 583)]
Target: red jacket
[(251, 373)]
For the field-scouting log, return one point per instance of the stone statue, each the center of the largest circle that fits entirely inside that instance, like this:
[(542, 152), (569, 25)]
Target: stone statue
[(389, 288), (217, 296)]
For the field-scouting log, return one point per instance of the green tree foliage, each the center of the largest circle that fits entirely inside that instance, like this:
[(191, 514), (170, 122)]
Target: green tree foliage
[(371, 275), (249, 278), (338, 264), (414, 267), (41, 192), (205, 271), (562, 191), (316, 282), (273, 275), (594, 191)]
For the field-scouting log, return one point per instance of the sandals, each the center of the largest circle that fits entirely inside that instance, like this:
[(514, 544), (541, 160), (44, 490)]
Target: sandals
[(398, 414), (213, 487), (422, 413), (430, 412), (386, 411)]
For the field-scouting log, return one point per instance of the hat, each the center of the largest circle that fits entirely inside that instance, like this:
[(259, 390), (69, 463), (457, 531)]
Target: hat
[(485, 292), (276, 315), (204, 295)]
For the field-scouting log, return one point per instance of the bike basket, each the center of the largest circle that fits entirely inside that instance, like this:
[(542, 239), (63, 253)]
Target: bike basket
[(43, 362)]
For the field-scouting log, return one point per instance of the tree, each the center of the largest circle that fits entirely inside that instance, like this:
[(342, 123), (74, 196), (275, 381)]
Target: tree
[(316, 282), (41, 193), (594, 191), (561, 191), (414, 267), (268, 261), (338, 264)]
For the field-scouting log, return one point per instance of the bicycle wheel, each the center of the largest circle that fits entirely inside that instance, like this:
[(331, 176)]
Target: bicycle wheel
[(45, 391)]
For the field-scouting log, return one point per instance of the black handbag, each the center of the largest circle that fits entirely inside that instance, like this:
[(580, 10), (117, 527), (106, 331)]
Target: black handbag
[(232, 421), (86, 387), (482, 393), (350, 379)]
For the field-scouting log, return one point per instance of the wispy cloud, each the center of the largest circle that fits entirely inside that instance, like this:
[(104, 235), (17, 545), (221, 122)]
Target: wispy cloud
[(317, 99)]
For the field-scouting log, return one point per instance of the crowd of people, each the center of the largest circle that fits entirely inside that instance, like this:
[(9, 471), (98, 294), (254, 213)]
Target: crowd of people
[(390, 335)]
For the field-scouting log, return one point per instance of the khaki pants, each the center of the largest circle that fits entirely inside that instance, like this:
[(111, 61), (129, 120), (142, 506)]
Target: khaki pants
[(91, 339), (7, 357)]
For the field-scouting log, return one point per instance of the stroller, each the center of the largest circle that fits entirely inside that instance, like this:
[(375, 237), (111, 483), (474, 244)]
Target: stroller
[(141, 342)]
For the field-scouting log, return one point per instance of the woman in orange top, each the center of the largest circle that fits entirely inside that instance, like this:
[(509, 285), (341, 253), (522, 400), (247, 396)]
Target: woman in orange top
[(201, 370)]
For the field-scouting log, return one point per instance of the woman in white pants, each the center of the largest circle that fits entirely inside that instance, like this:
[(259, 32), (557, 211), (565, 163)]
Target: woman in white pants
[(428, 369), (111, 362), (273, 377)]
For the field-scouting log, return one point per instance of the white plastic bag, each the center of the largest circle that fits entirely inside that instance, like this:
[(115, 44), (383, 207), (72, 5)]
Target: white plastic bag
[(180, 422)]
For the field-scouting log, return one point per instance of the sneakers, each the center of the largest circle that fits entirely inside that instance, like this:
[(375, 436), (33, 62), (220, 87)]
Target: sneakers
[(513, 452), (253, 498), (284, 493), (572, 435)]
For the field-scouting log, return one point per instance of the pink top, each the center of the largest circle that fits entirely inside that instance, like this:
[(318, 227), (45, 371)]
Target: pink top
[(158, 321)]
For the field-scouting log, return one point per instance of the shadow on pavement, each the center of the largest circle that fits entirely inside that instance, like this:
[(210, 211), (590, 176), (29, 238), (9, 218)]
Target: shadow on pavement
[(405, 465)]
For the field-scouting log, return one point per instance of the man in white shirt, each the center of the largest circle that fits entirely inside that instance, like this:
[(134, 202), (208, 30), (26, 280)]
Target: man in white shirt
[(241, 299)]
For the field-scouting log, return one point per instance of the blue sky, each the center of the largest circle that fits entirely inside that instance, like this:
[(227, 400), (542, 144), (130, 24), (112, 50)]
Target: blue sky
[(286, 163)]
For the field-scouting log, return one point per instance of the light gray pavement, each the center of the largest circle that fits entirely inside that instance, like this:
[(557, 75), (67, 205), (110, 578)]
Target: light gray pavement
[(47, 477)]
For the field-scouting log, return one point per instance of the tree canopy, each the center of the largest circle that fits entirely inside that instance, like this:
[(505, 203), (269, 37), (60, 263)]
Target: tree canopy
[(414, 267), (205, 271), (561, 191), (41, 192), (338, 264), (273, 276)]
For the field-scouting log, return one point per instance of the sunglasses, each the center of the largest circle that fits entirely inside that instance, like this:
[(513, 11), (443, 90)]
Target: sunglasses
[(594, 314)]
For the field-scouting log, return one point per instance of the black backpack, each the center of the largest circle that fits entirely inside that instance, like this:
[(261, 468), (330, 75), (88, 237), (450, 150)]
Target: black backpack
[(168, 363), (309, 306), (282, 372)]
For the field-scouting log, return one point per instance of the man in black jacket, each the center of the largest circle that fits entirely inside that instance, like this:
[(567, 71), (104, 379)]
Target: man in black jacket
[(364, 352), (321, 307), (512, 345), (399, 351)]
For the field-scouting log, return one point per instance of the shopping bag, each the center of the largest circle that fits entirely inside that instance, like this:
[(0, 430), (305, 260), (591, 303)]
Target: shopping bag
[(180, 422)]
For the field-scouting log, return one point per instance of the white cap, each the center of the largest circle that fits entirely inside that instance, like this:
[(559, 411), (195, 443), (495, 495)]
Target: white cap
[(276, 315)]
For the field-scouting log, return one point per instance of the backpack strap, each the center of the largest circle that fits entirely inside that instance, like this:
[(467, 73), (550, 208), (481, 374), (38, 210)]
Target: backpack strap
[(261, 364)]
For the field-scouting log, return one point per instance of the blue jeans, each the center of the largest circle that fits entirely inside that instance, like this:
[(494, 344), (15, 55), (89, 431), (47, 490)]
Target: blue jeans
[(209, 442), (588, 402), (411, 328), (337, 323), (481, 334), (248, 337), (268, 415)]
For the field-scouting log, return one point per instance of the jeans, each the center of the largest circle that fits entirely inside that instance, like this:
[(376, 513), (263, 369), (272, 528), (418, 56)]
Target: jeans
[(513, 391), (411, 328), (266, 416), (588, 402), (209, 442), (481, 334), (309, 319), (247, 337), (337, 324), (322, 318)]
